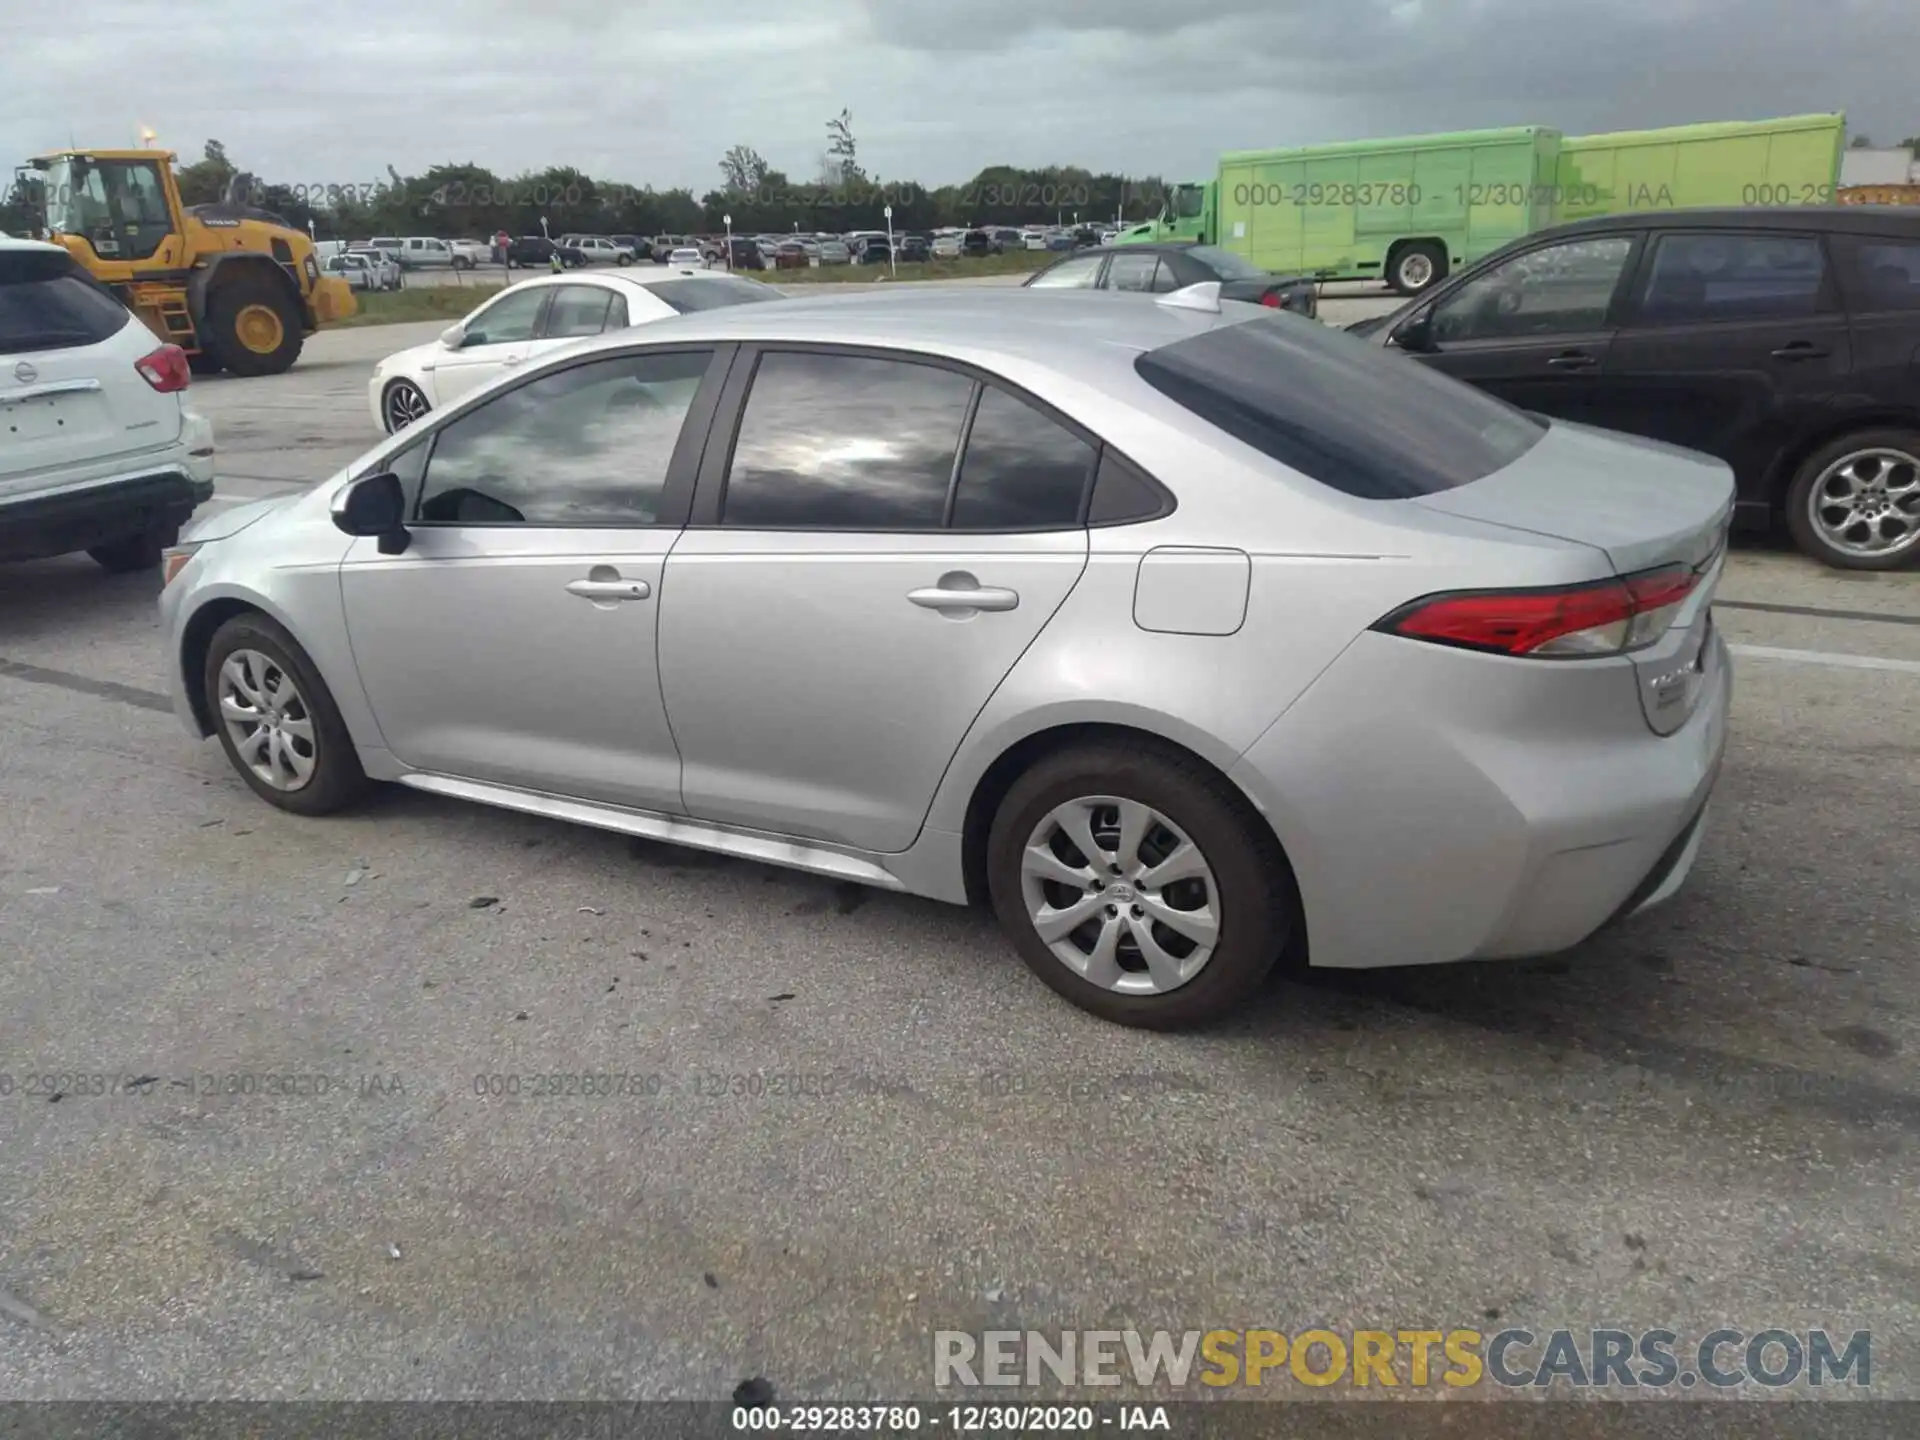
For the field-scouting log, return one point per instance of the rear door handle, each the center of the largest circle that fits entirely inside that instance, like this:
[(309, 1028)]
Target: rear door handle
[(1573, 360), (1800, 350), (603, 590), (960, 593)]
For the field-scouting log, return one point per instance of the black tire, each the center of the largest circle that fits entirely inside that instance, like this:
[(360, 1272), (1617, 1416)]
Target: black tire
[(460, 262), (337, 780), (1411, 262), (1253, 882), (135, 552), (1800, 523), (623, 259), (230, 298)]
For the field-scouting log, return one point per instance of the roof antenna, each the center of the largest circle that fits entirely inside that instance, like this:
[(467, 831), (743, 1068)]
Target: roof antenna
[(1204, 296)]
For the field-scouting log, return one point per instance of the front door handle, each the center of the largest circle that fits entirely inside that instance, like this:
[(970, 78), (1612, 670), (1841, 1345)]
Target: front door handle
[(605, 590), (1799, 350), (511, 359), (1573, 360), (961, 591)]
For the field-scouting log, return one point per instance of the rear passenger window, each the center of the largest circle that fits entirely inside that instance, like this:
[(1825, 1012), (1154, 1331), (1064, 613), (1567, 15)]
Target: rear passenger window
[(577, 310), (1021, 471), (845, 442), (1704, 277), (47, 302), (1880, 274)]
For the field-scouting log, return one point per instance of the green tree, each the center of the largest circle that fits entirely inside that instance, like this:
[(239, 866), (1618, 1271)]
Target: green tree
[(743, 171), (205, 181)]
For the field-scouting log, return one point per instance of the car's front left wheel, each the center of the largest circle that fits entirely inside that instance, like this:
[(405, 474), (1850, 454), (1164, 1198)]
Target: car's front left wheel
[(277, 721), (1136, 883)]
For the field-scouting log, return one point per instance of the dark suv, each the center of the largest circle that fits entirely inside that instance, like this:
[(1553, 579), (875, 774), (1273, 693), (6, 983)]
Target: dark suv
[(1785, 341)]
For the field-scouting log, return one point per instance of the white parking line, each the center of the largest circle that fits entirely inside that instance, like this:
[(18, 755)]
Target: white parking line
[(1825, 657)]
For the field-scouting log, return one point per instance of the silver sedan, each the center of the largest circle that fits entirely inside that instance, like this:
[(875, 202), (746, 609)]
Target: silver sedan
[(1186, 642)]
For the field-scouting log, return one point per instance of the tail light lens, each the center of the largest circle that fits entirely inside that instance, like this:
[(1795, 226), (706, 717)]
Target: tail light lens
[(166, 369), (1274, 300), (1609, 617)]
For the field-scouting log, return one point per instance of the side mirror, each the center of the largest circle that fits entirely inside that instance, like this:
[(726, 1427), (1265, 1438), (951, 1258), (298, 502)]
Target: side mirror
[(453, 336), (1415, 333), (375, 505)]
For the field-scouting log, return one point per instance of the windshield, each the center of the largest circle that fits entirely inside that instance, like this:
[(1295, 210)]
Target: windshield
[(47, 302), (1339, 410), (1187, 201), (1226, 264), (119, 207)]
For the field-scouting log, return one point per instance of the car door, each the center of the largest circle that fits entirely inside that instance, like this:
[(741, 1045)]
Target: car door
[(1536, 328), (1735, 343), (512, 642), (495, 339), (854, 585)]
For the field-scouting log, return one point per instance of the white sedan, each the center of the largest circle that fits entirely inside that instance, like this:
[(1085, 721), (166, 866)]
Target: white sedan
[(689, 256), (527, 320)]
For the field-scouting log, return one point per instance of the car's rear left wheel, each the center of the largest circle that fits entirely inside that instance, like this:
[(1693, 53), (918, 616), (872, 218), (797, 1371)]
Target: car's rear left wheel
[(1855, 503), (1134, 882), (277, 721)]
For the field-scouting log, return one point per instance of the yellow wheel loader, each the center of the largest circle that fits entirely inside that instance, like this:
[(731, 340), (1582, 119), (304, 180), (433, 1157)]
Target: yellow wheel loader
[(234, 286)]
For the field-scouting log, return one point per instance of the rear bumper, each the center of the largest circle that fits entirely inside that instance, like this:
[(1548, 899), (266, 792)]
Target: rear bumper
[(61, 521), (1436, 809)]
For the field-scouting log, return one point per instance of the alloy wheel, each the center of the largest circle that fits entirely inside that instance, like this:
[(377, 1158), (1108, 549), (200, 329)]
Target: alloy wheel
[(1868, 503), (267, 719), (1120, 895), (403, 404)]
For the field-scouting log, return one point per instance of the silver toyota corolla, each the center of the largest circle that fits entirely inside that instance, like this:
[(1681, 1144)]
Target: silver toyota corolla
[(1185, 640)]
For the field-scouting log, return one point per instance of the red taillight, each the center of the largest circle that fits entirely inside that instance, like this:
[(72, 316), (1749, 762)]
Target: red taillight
[(1606, 618), (1273, 300), (166, 369)]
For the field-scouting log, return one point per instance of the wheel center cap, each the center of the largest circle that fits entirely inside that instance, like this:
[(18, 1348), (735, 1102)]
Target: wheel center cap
[(1121, 894)]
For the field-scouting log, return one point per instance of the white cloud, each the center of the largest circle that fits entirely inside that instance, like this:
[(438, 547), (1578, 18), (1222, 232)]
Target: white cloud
[(654, 91)]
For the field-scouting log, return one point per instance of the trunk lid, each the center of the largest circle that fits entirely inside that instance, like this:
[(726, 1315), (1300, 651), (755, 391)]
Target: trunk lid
[(1644, 504)]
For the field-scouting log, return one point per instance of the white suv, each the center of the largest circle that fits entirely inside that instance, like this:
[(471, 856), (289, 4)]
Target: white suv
[(98, 450)]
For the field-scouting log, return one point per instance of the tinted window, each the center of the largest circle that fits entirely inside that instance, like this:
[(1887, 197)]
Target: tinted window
[(1076, 274), (583, 446), (617, 313), (1881, 274), (1121, 493), (48, 303), (712, 293), (509, 318), (1021, 470), (1132, 272), (1562, 289), (1353, 416), (576, 310), (1705, 276), (846, 442)]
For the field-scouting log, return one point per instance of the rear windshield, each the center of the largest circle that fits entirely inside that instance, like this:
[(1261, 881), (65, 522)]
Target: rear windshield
[(48, 303), (712, 293), (1363, 420), (1225, 264)]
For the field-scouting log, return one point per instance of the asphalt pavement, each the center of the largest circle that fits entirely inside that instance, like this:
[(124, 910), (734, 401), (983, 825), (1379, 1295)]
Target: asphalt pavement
[(850, 1119)]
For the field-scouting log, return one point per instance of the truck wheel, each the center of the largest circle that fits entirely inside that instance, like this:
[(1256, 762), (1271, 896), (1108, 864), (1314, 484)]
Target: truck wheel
[(252, 328), (202, 363), (1417, 266), (460, 262)]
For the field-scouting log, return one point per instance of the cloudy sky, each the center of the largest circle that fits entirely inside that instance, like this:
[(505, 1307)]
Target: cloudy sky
[(654, 91)]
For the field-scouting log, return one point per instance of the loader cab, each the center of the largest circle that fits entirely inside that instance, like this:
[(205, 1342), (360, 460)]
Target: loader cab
[(124, 208)]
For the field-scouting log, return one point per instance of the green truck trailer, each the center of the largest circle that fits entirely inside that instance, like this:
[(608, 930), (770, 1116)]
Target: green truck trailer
[(1409, 210)]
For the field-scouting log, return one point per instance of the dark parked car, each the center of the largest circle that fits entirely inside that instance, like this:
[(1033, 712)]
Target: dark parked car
[(872, 250), (913, 248), (1781, 340), (641, 246), (1174, 266), (745, 255), (536, 252), (978, 243), (790, 255)]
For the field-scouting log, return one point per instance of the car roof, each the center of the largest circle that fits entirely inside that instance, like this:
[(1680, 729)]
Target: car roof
[(1753, 217), (1072, 333), (14, 242)]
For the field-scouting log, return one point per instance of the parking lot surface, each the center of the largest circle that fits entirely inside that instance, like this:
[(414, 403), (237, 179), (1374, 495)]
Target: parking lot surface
[(840, 1119)]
